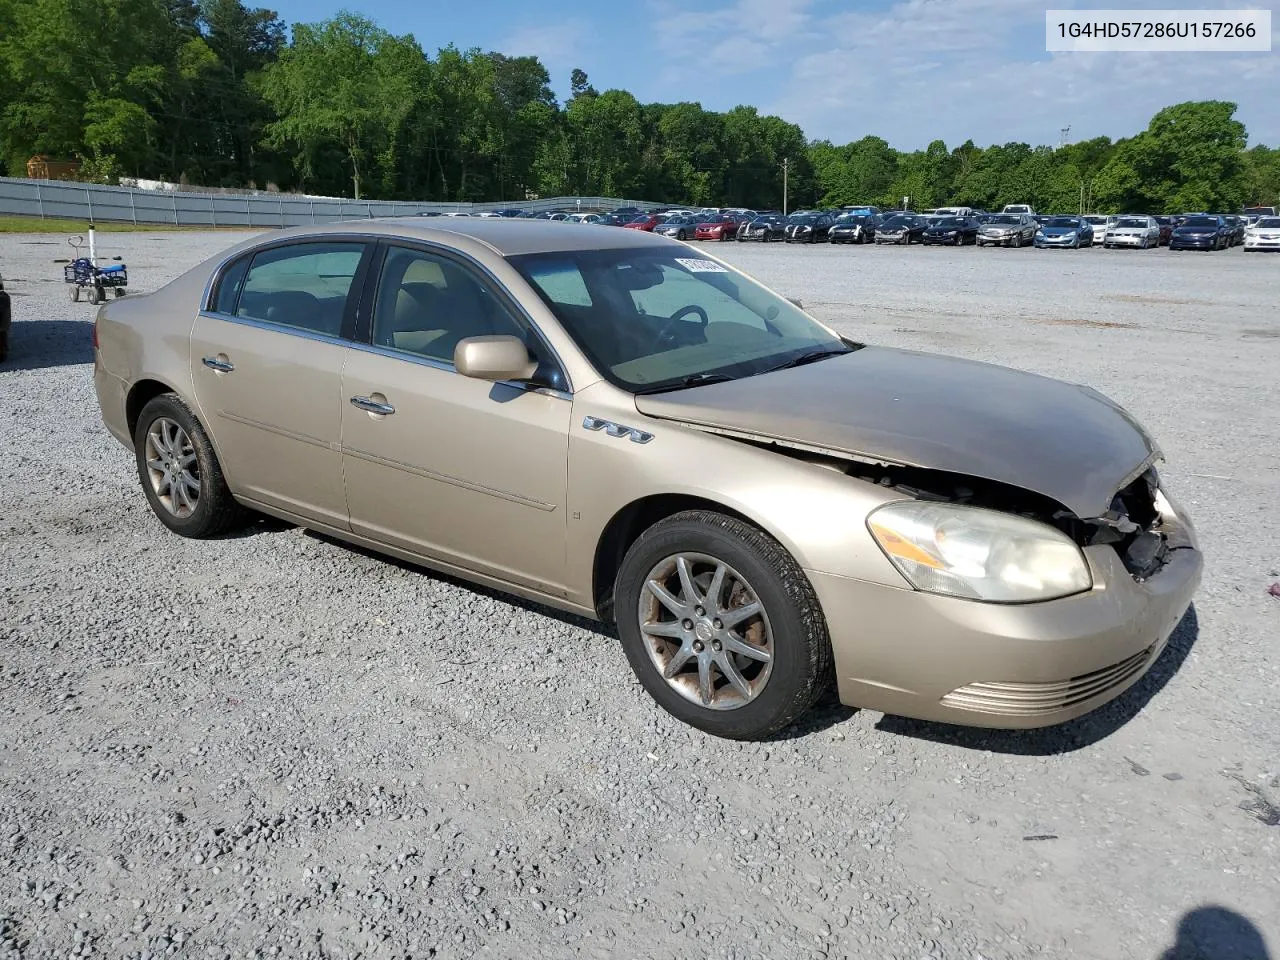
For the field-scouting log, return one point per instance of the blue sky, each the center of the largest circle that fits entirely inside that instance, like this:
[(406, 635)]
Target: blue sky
[(906, 70)]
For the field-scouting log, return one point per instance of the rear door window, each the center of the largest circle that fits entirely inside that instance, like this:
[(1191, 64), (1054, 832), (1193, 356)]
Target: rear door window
[(303, 285)]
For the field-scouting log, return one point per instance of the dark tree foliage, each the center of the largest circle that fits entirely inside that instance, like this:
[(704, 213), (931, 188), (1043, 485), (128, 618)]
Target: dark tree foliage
[(211, 92)]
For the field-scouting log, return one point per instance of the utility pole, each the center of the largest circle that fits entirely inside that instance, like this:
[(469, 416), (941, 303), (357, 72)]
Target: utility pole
[(786, 164)]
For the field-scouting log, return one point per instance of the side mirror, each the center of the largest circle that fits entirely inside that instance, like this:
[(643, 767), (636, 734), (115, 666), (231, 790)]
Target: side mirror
[(493, 358)]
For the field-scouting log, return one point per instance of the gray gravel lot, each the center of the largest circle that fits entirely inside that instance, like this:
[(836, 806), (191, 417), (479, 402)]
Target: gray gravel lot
[(276, 745)]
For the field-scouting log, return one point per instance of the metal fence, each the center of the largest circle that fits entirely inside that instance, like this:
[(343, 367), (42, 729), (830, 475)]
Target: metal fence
[(96, 202)]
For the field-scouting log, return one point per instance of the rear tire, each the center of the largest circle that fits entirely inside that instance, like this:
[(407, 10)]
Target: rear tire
[(753, 569), (172, 450)]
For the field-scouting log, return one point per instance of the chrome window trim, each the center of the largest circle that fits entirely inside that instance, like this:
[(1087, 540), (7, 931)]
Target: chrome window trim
[(447, 367), (273, 327), (206, 307), (431, 246)]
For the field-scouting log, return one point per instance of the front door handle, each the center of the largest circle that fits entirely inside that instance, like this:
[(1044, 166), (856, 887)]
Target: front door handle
[(217, 363), (372, 406)]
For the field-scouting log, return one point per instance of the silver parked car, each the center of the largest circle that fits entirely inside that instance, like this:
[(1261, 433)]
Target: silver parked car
[(1008, 230), (1133, 231)]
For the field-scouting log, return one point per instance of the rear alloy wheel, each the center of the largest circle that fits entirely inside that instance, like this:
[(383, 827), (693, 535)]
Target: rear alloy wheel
[(721, 626), (180, 473)]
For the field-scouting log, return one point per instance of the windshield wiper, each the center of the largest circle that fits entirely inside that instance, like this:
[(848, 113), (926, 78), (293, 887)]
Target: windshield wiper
[(810, 357), (695, 380)]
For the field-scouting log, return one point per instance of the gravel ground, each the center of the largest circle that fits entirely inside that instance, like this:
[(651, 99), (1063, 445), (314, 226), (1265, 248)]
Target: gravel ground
[(276, 745)]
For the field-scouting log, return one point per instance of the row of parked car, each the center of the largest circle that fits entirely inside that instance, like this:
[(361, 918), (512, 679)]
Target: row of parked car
[(959, 226), (1017, 225)]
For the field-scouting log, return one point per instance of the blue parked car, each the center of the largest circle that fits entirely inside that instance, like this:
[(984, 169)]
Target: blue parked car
[(1074, 232)]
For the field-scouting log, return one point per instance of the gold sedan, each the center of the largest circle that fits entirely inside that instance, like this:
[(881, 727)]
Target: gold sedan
[(612, 424)]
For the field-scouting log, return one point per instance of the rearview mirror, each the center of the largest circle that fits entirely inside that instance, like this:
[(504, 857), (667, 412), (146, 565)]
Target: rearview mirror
[(493, 358)]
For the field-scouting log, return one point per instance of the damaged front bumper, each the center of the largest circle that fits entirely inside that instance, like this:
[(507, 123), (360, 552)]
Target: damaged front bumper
[(959, 661)]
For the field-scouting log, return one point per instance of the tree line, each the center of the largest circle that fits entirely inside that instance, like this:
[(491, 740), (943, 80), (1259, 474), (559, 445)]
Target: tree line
[(215, 93)]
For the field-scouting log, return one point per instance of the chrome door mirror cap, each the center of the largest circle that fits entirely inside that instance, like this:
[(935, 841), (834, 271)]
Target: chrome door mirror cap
[(493, 358)]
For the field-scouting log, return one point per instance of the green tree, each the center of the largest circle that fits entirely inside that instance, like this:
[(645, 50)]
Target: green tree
[(342, 85)]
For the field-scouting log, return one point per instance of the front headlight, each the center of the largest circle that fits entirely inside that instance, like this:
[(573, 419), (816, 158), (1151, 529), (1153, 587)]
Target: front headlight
[(978, 554)]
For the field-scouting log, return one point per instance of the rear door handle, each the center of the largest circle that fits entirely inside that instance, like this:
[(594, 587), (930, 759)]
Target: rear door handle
[(371, 405), (222, 366)]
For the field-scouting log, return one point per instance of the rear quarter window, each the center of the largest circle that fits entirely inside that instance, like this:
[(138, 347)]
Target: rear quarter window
[(227, 290)]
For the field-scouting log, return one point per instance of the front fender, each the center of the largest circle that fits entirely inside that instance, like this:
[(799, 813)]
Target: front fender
[(815, 511)]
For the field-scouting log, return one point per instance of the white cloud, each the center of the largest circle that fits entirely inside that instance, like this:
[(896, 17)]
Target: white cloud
[(738, 38), (955, 69), (552, 43)]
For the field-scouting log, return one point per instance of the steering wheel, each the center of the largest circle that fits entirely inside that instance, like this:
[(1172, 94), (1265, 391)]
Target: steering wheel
[(667, 334)]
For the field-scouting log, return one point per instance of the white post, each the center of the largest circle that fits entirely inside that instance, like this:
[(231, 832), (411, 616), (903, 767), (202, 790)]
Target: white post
[(786, 165), (93, 252)]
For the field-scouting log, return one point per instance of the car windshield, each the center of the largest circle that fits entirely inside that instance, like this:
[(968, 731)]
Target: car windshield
[(1269, 223), (1132, 222), (658, 319), (1095, 219), (1006, 218), (806, 219), (1063, 222), (895, 222), (851, 219), (1201, 222), (772, 218), (949, 222)]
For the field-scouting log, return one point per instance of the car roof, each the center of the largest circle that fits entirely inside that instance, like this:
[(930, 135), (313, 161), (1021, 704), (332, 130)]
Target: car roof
[(504, 236)]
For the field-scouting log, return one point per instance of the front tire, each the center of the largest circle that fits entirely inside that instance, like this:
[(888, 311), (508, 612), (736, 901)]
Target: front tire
[(180, 473), (721, 626)]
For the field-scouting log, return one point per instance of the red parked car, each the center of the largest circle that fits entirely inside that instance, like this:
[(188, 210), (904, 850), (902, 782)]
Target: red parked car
[(645, 222), (720, 227)]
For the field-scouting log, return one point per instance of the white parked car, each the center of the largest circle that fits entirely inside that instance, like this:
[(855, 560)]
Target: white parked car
[(1263, 234), (1019, 208), (1133, 231)]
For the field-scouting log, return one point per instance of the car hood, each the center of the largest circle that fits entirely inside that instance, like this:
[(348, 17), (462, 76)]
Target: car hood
[(1062, 440), (1059, 231)]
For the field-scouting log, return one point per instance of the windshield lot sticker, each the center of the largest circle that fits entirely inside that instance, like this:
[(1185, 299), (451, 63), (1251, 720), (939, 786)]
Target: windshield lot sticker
[(701, 266)]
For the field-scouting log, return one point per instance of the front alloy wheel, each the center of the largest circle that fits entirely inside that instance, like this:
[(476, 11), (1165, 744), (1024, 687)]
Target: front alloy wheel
[(721, 625), (706, 631)]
